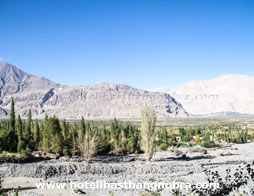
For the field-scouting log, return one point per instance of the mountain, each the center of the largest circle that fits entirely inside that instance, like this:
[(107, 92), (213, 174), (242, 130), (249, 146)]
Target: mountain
[(13, 80), (162, 90), (232, 93), (103, 100)]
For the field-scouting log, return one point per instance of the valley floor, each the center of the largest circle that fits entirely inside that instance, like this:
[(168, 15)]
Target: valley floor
[(166, 167)]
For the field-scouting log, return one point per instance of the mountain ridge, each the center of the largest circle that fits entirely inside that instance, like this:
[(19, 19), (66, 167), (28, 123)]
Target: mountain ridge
[(226, 93), (102, 100)]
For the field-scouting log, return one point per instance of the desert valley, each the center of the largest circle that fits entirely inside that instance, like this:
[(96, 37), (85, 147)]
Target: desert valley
[(200, 132)]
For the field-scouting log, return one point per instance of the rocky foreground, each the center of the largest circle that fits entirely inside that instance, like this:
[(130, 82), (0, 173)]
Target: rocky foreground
[(168, 166)]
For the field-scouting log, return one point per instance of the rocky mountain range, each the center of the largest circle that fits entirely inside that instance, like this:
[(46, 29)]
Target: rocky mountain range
[(230, 94), (103, 100)]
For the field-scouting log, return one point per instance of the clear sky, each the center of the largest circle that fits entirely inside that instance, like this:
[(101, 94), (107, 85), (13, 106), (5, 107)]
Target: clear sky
[(143, 43)]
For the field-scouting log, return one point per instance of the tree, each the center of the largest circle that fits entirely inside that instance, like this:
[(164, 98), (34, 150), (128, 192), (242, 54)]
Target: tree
[(148, 131), (115, 132), (45, 135), (82, 127), (36, 134), (4, 136), (67, 138), (74, 138), (12, 139), (20, 137), (64, 130), (28, 131), (12, 117), (91, 143), (198, 140), (19, 128), (54, 129), (163, 136)]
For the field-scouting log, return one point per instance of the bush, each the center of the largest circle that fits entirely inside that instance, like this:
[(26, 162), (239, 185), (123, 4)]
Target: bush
[(119, 151), (66, 151), (198, 140), (105, 149), (112, 145), (172, 143), (209, 144), (21, 146), (191, 144), (123, 144), (25, 154), (206, 144), (230, 184), (186, 138), (241, 177), (163, 146), (131, 145)]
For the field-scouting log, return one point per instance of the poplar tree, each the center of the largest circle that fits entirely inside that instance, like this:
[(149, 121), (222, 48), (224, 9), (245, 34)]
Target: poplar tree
[(12, 117), (74, 139), (28, 131), (12, 139), (82, 127), (65, 130), (148, 132), (36, 134), (115, 132), (54, 129), (20, 137), (45, 135)]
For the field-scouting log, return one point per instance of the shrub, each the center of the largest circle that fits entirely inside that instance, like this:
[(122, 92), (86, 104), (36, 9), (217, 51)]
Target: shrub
[(209, 144), (20, 146), (163, 146), (172, 143), (206, 144), (123, 145), (25, 154), (228, 185), (186, 138), (191, 144), (131, 146), (90, 145), (198, 140), (119, 151), (66, 151)]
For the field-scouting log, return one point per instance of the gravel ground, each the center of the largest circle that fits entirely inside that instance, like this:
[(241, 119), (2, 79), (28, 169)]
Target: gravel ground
[(166, 168)]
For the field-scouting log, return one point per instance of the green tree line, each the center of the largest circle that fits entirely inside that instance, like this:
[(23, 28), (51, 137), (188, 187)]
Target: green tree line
[(67, 138)]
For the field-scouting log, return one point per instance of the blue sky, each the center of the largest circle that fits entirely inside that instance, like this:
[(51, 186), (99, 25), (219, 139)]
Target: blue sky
[(143, 43)]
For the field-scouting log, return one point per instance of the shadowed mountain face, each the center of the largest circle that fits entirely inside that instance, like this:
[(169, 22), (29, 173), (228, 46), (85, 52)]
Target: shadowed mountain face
[(103, 100), (225, 94)]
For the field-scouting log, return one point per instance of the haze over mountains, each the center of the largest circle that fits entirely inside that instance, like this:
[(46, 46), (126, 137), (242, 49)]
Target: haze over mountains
[(103, 100), (226, 94)]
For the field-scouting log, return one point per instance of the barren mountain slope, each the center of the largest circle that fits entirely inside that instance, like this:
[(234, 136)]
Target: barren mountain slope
[(103, 100), (228, 93)]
